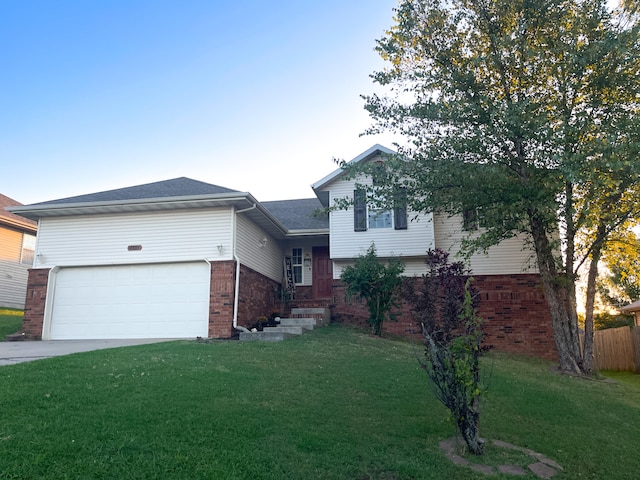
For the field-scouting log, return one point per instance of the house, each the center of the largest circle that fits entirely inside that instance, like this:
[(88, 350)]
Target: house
[(17, 244), (633, 309), (183, 258)]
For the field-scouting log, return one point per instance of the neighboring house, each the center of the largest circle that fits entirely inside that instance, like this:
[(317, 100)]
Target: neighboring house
[(633, 309), (183, 258), (17, 244)]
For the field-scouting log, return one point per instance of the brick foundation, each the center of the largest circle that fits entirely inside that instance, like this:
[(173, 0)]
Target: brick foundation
[(258, 297), (221, 298), (514, 309), (35, 302)]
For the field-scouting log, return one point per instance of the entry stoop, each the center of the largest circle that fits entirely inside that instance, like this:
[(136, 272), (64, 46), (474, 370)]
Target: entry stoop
[(302, 320)]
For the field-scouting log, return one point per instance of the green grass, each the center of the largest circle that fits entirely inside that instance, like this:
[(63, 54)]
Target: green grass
[(332, 404), (10, 322)]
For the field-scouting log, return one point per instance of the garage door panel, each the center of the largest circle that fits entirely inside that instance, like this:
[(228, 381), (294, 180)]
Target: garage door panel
[(131, 301)]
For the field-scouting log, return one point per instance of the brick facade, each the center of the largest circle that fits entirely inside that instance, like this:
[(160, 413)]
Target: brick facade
[(35, 302), (258, 297), (514, 309), (221, 299)]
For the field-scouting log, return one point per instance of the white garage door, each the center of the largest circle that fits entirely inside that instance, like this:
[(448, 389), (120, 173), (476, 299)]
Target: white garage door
[(131, 301)]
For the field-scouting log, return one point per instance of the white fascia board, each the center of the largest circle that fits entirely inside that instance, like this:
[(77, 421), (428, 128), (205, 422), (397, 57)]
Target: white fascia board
[(363, 156), (53, 209)]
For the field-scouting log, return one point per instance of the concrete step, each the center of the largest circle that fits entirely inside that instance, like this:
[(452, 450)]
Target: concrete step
[(322, 315), (265, 336), (292, 329), (307, 323)]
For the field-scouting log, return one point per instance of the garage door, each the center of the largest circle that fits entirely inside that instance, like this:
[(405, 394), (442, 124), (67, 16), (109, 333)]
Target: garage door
[(131, 301)]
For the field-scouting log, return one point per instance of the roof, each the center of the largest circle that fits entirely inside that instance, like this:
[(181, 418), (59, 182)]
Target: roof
[(302, 214), (12, 219), (183, 193), (632, 307), (319, 186), (177, 187)]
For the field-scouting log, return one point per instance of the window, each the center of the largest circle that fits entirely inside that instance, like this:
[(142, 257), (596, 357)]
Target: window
[(379, 219), (472, 219), (364, 218), (28, 249), (296, 262)]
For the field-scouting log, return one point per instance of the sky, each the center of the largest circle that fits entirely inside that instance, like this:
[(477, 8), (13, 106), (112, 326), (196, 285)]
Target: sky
[(257, 96)]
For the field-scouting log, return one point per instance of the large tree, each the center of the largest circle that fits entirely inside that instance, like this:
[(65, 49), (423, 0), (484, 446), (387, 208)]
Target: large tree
[(526, 112)]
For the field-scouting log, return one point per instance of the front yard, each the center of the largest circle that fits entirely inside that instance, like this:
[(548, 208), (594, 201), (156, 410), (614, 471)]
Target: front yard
[(332, 404)]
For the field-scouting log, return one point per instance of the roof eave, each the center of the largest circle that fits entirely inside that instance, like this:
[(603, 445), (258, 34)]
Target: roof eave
[(363, 156), (37, 211)]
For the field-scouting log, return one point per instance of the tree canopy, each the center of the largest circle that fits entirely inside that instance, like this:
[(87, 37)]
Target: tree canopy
[(526, 111)]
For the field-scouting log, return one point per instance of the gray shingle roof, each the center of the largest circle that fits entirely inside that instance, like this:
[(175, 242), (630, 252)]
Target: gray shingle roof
[(177, 187), (298, 214)]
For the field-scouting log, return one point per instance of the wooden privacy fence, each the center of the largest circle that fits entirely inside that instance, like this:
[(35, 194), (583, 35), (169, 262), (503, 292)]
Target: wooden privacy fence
[(617, 349)]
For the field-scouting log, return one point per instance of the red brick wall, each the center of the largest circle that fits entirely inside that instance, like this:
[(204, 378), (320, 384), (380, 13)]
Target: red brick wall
[(515, 312), (35, 302), (221, 299), (258, 297)]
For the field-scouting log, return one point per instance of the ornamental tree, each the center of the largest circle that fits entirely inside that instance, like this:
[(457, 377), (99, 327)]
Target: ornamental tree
[(376, 282), (529, 111)]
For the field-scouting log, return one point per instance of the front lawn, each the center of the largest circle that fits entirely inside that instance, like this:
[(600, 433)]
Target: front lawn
[(331, 404), (10, 322)]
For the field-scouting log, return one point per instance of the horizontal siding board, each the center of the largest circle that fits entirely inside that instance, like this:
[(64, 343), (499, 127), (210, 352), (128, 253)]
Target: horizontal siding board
[(266, 259), (10, 244), (164, 236), (13, 284), (511, 256), (346, 243)]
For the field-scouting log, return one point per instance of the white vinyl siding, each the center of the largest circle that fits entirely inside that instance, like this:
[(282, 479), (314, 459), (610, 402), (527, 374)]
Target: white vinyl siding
[(263, 257), (345, 243), (511, 256), (179, 235), (13, 284)]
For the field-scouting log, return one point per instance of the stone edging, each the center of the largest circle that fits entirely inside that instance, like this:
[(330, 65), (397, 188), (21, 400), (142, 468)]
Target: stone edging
[(543, 467)]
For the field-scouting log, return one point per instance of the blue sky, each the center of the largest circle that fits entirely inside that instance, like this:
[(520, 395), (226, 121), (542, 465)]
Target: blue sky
[(257, 96)]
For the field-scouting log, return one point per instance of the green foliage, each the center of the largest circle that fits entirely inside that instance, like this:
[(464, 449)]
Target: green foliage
[(444, 306), (10, 321), (527, 111), (621, 282), (378, 283), (334, 404)]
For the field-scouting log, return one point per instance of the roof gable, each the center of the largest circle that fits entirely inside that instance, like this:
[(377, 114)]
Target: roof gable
[(321, 185)]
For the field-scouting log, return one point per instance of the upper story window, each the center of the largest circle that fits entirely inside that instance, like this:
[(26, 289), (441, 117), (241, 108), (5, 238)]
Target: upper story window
[(472, 219), (296, 263), (365, 217), (379, 218)]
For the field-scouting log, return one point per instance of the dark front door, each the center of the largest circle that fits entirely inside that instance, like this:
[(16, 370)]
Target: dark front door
[(322, 273)]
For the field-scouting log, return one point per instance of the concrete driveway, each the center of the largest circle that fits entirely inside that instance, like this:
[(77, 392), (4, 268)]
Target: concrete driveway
[(27, 351)]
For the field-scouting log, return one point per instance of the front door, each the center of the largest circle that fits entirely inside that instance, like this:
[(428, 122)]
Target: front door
[(322, 273)]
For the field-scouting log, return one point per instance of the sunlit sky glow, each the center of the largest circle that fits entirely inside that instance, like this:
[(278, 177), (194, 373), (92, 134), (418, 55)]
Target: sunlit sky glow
[(256, 96)]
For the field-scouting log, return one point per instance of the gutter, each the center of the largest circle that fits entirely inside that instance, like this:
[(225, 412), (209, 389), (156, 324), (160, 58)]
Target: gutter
[(236, 292)]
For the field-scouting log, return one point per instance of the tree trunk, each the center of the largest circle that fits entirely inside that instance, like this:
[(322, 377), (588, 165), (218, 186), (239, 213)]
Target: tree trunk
[(590, 302), (559, 291)]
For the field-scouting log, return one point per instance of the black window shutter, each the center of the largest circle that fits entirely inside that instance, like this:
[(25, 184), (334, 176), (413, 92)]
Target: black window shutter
[(400, 210), (359, 210)]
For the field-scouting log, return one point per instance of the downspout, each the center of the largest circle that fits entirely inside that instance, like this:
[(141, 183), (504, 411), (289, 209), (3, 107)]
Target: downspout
[(237, 282)]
